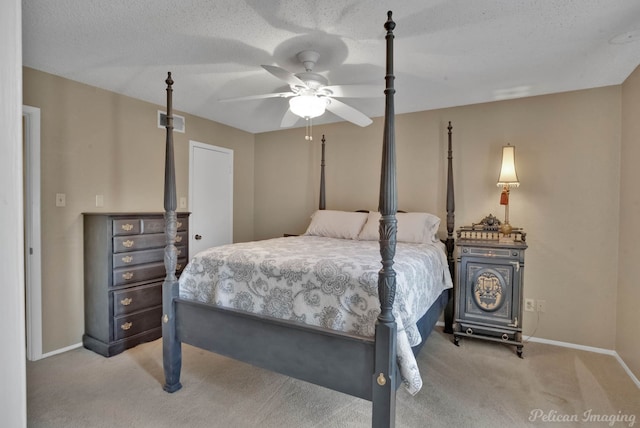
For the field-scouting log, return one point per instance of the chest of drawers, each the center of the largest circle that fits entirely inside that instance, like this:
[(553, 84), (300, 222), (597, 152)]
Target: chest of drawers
[(123, 275)]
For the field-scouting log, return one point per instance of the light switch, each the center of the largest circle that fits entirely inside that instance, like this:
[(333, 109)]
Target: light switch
[(61, 199), (183, 202)]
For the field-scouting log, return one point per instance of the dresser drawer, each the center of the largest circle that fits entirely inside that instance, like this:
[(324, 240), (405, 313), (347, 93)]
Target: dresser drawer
[(156, 225), (126, 226), (505, 332), (146, 256), (491, 252), (139, 322), (137, 298), (142, 242), (133, 274)]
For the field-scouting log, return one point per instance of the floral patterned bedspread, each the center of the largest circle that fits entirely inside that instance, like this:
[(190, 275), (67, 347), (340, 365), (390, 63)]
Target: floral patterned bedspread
[(326, 282)]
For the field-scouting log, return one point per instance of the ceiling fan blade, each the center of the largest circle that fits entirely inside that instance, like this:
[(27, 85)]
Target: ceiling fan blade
[(354, 91), (289, 119), (348, 113), (259, 97), (283, 74)]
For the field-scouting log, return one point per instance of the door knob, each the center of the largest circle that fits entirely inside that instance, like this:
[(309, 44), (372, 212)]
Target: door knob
[(198, 237)]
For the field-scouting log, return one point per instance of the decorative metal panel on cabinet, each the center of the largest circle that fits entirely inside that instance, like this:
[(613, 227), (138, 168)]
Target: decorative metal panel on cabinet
[(123, 275), (489, 286)]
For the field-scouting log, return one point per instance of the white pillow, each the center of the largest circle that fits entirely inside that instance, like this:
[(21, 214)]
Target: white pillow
[(412, 227), (336, 224)]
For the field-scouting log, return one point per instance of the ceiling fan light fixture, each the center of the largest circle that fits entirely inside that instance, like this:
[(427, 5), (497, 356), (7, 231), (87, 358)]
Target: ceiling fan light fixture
[(307, 106)]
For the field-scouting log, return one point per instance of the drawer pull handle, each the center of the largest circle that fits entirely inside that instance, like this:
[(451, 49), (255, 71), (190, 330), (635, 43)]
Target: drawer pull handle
[(381, 380), (127, 227), (127, 259), (505, 336), (178, 238), (469, 331), (179, 224), (126, 326), (126, 301), (128, 243), (127, 275)]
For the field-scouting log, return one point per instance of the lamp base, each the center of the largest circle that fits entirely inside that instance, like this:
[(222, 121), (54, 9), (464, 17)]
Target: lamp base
[(505, 230)]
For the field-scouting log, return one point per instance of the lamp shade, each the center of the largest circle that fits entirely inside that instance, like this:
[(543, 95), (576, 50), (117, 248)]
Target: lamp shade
[(508, 175), (307, 106)]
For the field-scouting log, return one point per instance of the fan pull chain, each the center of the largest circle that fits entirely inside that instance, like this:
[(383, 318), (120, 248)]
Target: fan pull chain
[(309, 125)]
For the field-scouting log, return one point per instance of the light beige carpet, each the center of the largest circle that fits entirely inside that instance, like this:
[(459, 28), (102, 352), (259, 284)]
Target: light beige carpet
[(478, 384)]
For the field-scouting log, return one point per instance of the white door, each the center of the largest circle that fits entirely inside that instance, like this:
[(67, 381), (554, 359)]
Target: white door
[(210, 196), (32, 233)]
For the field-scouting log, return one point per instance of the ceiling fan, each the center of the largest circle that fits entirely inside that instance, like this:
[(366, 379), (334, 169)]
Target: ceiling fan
[(311, 94)]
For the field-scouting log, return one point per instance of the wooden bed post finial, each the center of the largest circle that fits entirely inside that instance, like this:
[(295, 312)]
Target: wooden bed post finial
[(389, 25)]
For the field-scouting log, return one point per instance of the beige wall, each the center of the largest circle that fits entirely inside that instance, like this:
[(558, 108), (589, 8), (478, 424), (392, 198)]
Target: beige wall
[(627, 336), (567, 155), (98, 142)]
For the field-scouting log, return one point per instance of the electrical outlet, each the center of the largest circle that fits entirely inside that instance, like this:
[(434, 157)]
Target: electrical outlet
[(61, 199), (542, 304), (99, 200), (529, 305)]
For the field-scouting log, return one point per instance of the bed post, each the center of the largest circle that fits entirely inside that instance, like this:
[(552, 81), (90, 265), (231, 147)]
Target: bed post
[(323, 201), (451, 208), (384, 379), (171, 350)]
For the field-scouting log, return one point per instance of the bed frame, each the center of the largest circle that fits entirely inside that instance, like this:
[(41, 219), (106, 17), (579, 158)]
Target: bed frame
[(362, 367)]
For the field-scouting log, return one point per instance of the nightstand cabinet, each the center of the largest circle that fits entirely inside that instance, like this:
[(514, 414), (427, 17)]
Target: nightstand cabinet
[(123, 276), (489, 289)]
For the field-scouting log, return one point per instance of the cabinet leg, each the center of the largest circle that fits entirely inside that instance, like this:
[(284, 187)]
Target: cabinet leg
[(456, 340), (519, 351)]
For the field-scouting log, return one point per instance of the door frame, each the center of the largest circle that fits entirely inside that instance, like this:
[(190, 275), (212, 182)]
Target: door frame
[(32, 230), (193, 144)]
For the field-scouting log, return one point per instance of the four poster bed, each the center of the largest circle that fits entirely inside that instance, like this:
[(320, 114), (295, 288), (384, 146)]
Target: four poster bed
[(318, 307)]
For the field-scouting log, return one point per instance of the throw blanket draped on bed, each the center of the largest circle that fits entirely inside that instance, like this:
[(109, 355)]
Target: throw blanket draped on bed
[(326, 282)]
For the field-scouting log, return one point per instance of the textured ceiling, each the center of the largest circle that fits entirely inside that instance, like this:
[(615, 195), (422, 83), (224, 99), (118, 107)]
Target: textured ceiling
[(447, 52)]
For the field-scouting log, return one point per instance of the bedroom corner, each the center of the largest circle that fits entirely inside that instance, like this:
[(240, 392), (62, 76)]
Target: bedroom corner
[(628, 292)]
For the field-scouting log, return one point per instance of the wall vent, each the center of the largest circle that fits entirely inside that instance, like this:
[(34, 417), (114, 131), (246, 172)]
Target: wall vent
[(178, 121)]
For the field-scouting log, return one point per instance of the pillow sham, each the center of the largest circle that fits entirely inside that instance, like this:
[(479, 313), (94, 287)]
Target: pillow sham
[(336, 224), (412, 227)]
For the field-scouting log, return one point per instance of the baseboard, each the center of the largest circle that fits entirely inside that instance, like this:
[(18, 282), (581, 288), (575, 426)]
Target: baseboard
[(627, 369), (611, 352), (573, 346), (61, 350)]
